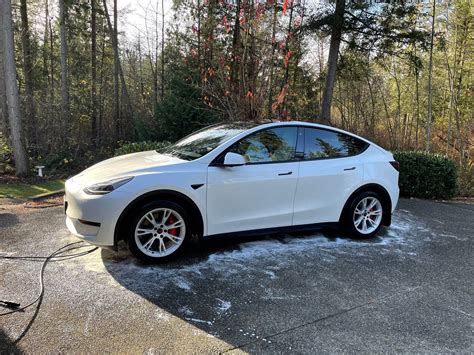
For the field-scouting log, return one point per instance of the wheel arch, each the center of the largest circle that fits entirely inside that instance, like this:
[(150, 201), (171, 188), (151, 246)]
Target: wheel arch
[(170, 195), (385, 196)]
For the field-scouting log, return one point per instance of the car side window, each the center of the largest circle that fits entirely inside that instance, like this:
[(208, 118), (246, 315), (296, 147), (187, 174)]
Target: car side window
[(269, 145), (321, 143)]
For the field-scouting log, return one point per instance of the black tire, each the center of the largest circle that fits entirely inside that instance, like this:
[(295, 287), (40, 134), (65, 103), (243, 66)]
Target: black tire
[(135, 249), (347, 220)]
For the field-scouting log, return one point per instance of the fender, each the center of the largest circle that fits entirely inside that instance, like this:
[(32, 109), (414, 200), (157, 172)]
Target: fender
[(386, 201), (195, 212)]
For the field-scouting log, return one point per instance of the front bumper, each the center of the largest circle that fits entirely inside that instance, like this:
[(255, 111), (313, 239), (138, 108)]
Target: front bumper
[(92, 217)]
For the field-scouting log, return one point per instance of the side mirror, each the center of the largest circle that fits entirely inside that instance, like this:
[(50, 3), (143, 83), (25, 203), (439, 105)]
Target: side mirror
[(234, 159)]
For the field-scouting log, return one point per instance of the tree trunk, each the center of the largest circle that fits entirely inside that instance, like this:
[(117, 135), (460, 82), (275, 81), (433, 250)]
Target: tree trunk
[(417, 93), (65, 110), (11, 86), (117, 65), (430, 84), (235, 51), (114, 34), (336, 33), (162, 50), (28, 76), (94, 71), (272, 61), (287, 64), (3, 95)]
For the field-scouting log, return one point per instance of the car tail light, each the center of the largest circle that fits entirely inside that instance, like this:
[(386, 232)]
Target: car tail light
[(395, 164)]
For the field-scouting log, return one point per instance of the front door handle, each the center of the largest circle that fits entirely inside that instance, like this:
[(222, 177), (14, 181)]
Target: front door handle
[(288, 173), (353, 168)]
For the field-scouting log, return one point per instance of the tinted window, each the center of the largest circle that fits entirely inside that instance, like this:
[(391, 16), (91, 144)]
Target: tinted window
[(320, 143), (269, 145)]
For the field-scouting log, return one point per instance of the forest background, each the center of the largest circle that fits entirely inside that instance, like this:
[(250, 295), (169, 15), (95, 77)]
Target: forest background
[(75, 84)]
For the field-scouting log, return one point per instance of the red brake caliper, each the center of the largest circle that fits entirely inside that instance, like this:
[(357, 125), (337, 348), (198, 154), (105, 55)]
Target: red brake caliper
[(372, 217), (171, 220)]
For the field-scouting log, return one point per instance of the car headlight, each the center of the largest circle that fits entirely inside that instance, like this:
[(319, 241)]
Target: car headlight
[(105, 187)]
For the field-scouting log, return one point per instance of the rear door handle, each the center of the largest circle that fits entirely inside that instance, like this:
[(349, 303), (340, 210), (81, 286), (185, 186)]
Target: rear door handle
[(353, 168), (288, 173)]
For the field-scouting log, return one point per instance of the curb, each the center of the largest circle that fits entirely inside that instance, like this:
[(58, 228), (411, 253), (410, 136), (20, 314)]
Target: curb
[(46, 194)]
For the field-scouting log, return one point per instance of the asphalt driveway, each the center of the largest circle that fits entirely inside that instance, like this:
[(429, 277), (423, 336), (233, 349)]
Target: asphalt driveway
[(409, 290)]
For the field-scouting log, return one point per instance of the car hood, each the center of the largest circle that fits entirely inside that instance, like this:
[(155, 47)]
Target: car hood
[(125, 165)]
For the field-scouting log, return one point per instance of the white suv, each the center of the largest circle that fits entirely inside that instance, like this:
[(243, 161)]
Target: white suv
[(234, 178)]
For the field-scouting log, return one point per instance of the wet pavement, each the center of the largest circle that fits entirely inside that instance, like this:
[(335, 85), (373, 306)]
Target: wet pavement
[(408, 290)]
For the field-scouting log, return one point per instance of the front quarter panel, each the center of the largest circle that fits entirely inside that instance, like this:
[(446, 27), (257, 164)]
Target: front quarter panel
[(106, 209)]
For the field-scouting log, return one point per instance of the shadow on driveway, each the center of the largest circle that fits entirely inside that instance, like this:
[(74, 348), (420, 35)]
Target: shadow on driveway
[(245, 290), (7, 346)]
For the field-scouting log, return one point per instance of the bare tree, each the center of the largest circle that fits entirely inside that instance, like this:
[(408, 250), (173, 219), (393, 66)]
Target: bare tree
[(94, 129), (336, 33), (117, 67), (114, 34), (11, 85), (3, 95), (272, 60), (163, 49), (28, 75), (430, 84), (64, 69)]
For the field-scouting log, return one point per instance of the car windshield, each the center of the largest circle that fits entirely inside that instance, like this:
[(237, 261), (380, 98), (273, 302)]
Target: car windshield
[(204, 141)]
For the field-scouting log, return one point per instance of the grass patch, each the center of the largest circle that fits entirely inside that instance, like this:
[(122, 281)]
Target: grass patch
[(28, 190)]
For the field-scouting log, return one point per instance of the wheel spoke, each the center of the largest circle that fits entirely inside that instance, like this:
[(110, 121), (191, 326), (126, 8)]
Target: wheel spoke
[(162, 247), (375, 213), (166, 215), (149, 216), (372, 204), (144, 231), (357, 222), (364, 204), (364, 225), (149, 243), (173, 238), (357, 211), (372, 223), (177, 224)]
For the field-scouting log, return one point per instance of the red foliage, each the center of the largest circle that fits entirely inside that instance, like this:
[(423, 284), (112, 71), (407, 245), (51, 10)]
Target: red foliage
[(285, 7), (286, 60), (281, 97)]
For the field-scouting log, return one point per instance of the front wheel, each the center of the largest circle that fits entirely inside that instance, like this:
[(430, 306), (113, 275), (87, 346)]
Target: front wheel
[(364, 217), (158, 231)]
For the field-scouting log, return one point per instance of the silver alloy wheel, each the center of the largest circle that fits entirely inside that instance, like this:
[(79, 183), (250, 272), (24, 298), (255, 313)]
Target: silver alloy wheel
[(160, 232), (367, 215)]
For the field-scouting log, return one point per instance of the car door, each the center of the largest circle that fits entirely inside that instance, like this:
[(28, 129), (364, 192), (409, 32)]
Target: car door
[(259, 194), (329, 171)]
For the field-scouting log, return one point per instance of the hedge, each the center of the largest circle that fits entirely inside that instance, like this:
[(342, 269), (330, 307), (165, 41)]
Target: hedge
[(426, 175), (135, 147)]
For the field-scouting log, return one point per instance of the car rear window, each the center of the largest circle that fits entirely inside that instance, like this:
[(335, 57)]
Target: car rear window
[(322, 143)]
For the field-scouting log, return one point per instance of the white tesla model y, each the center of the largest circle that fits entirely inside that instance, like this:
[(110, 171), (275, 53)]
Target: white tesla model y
[(234, 178)]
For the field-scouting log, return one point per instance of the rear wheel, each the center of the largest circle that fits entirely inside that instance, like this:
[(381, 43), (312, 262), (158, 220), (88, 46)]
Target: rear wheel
[(364, 216), (158, 231)]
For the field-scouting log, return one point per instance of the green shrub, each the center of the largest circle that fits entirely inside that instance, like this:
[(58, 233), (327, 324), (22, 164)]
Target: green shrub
[(135, 147), (6, 154), (426, 175), (57, 163)]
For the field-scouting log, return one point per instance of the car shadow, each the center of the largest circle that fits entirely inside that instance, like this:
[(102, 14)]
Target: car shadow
[(7, 345), (240, 288)]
